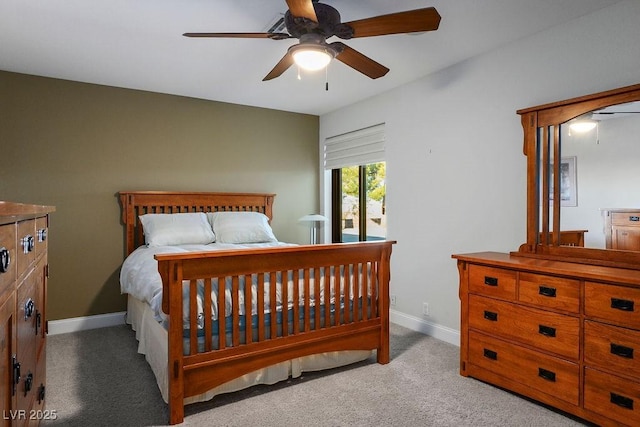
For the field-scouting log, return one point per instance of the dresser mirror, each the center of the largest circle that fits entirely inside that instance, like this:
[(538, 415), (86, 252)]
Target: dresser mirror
[(583, 192)]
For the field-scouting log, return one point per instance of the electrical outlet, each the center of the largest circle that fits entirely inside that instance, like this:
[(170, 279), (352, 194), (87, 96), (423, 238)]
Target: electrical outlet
[(393, 300), (425, 309)]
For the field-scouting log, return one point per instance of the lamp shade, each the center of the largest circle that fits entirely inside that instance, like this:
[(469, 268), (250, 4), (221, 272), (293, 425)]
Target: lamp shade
[(312, 221), (314, 218), (311, 56), (582, 126)]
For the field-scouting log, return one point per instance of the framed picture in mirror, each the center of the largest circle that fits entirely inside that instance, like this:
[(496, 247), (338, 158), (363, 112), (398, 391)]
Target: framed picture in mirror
[(568, 182)]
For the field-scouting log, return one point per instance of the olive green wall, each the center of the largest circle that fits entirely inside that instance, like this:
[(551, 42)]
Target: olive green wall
[(75, 145)]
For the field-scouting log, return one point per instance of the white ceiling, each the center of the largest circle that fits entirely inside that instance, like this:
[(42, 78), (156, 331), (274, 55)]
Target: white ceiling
[(138, 44)]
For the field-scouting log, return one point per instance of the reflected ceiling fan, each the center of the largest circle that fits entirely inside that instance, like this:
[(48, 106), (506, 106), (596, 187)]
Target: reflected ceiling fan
[(313, 23)]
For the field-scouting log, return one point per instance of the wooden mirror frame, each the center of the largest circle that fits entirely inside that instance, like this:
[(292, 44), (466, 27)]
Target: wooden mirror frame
[(550, 117)]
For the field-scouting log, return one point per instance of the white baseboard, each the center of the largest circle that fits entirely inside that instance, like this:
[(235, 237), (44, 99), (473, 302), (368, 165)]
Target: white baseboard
[(440, 332), (113, 319), (76, 324)]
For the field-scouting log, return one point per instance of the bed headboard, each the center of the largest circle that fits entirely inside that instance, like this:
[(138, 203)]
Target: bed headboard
[(136, 203)]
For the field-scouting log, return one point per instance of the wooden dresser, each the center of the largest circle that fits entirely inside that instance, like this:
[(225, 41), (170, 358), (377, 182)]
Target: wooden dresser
[(23, 294), (562, 333), (622, 229)]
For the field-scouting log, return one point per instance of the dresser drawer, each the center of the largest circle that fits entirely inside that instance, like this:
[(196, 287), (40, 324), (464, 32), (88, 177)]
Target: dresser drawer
[(7, 255), (625, 218), (612, 397), (547, 374), (490, 281), (547, 331), (549, 291), (625, 238), (616, 304), (612, 348)]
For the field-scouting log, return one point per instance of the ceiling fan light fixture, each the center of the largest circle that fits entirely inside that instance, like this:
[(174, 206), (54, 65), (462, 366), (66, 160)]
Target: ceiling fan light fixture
[(311, 57), (582, 126)]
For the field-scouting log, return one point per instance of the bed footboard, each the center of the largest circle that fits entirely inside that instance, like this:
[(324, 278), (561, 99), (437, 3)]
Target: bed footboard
[(274, 304)]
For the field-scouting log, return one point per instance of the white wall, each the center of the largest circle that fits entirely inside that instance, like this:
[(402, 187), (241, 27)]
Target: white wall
[(455, 168), (607, 175)]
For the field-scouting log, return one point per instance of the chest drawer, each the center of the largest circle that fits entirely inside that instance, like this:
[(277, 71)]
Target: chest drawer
[(549, 291), (7, 255), (547, 331), (545, 373), (612, 348), (625, 218), (491, 281), (611, 396), (616, 304)]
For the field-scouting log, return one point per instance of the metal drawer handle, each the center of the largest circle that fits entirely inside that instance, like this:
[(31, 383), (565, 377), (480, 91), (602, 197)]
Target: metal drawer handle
[(28, 243), (622, 401), (547, 375), (5, 260), (38, 321), (621, 304), (28, 384), (490, 281), (29, 308), (16, 374), (490, 315), (622, 351), (547, 331), (41, 393), (490, 354), (634, 218), (547, 291)]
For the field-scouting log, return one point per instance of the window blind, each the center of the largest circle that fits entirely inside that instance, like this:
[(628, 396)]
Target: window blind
[(359, 147)]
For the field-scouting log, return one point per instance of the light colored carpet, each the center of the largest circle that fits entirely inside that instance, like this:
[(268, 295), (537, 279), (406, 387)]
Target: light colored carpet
[(96, 378)]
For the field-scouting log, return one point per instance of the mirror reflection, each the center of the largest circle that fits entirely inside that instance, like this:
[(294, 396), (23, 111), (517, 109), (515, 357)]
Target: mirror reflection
[(600, 179)]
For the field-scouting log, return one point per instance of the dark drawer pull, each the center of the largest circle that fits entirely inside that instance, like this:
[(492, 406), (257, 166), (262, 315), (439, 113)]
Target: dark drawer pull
[(490, 354), (622, 401), (622, 351), (547, 291), (634, 218), (621, 304), (547, 331), (490, 281), (5, 260), (547, 375), (490, 315)]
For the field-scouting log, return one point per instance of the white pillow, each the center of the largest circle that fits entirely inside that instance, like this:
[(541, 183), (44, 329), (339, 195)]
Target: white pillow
[(177, 229), (241, 227)]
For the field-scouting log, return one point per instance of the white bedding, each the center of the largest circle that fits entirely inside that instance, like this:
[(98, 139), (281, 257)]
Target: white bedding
[(139, 277)]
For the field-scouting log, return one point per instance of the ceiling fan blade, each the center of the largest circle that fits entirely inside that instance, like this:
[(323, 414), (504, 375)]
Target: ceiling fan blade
[(281, 67), (273, 36), (411, 21), (302, 9), (358, 61)]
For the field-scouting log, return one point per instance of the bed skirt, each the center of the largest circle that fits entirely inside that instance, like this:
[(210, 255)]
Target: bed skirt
[(152, 342)]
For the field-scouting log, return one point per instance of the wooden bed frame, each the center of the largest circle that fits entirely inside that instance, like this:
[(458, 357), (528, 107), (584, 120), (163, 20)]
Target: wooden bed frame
[(305, 330)]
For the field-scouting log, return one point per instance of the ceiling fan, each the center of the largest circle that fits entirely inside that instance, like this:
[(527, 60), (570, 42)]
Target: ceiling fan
[(313, 23)]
